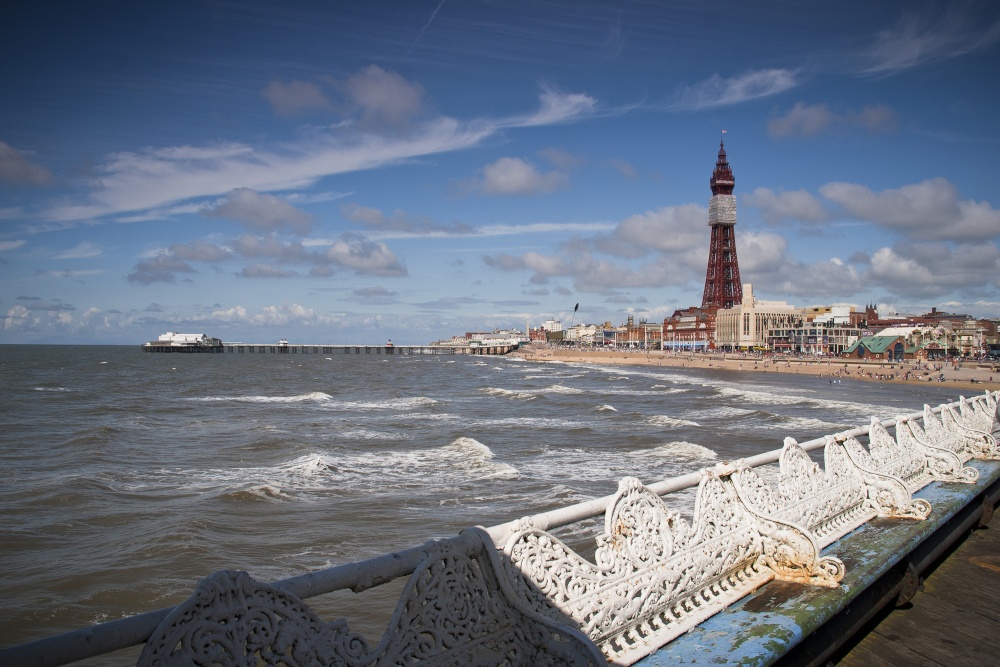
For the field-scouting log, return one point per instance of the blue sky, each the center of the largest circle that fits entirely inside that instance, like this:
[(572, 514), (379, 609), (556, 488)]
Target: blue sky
[(352, 172)]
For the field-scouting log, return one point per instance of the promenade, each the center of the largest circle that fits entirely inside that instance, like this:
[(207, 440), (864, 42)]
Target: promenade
[(971, 376)]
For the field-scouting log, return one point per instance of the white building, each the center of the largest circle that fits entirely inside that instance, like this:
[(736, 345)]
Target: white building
[(583, 334), (185, 338), (746, 326)]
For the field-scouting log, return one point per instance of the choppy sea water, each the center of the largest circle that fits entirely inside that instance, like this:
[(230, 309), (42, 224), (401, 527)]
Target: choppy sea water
[(127, 477)]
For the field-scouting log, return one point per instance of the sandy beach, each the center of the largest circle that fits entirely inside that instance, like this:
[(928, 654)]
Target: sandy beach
[(970, 377)]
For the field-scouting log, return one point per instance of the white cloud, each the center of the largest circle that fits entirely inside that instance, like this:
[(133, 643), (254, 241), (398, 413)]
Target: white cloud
[(929, 210), (365, 256), (760, 252), (904, 276), (199, 251), (514, 176), (809, 120), (676, 236), (780, 207), (261, 212), (162, 269), (667, 229), (258, 247), (16, 169), (717, 91), (266, 271), (385, 98), (11, 245), (294, 97)]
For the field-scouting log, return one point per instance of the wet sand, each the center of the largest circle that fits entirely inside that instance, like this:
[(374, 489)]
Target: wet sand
[(968, 376)]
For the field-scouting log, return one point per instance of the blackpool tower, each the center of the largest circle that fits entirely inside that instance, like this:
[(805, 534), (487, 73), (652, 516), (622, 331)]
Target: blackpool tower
[(722, 279)]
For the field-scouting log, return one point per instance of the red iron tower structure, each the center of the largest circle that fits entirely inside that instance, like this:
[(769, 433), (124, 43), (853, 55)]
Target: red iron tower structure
[(723, 288)]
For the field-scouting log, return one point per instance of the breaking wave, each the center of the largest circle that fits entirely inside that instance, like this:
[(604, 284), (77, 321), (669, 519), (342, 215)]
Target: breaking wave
[(663, 420)]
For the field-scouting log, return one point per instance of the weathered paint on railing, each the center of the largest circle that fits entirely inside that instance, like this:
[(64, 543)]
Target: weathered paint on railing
[(515, 593)]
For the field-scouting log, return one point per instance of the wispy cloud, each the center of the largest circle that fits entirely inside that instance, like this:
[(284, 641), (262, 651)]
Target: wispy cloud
[(556, 107), (916, 40), (400, 222), (135, 182), (11, 245), (83, 250), (718, 91)]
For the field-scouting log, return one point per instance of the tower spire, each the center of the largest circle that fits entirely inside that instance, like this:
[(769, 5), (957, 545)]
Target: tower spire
[(723, 288)]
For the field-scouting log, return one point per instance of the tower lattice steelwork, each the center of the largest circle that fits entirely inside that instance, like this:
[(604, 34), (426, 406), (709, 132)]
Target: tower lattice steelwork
[(723, 288)]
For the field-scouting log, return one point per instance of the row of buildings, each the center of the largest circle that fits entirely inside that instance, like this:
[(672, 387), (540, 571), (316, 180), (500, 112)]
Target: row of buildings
[(731, 318), (775, 327)]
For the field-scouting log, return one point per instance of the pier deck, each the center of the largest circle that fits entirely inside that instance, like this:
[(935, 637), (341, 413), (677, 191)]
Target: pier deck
[(954, 620)]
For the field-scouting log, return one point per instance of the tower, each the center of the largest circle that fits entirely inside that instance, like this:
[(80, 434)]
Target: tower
[(723, 288)]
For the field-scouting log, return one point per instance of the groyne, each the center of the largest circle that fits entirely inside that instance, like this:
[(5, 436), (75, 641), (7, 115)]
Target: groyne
[(770, 557)]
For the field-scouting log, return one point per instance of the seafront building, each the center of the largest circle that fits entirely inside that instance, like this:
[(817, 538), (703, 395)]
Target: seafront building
[(747, 325), (690, 329)]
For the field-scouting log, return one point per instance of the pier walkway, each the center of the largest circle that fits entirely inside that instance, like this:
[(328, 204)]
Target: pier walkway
[(952, 621)]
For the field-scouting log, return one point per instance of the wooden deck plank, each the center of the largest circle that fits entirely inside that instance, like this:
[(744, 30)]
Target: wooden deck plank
[(953, 621)]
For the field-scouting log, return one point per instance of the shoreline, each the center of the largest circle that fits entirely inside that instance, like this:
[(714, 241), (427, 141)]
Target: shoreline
[(966, 376)]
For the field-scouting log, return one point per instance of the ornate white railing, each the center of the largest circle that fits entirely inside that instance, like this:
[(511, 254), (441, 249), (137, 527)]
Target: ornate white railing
[(515, 594)]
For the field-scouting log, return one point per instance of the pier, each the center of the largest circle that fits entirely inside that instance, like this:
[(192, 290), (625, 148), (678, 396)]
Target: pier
[(323, 348), (782, 560)]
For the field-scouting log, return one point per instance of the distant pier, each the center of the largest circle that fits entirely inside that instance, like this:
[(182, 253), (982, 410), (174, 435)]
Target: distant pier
[(275, 348)]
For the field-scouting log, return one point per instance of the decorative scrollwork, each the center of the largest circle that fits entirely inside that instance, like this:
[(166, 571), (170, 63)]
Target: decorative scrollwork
[(889, 493), (232, 619), (947, 429), (896, 460), (654, 575), (945, 465), (454, 611), (792, 554), (827, 504)]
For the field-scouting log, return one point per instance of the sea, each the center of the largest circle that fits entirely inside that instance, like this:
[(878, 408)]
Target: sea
[(127, 477)]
